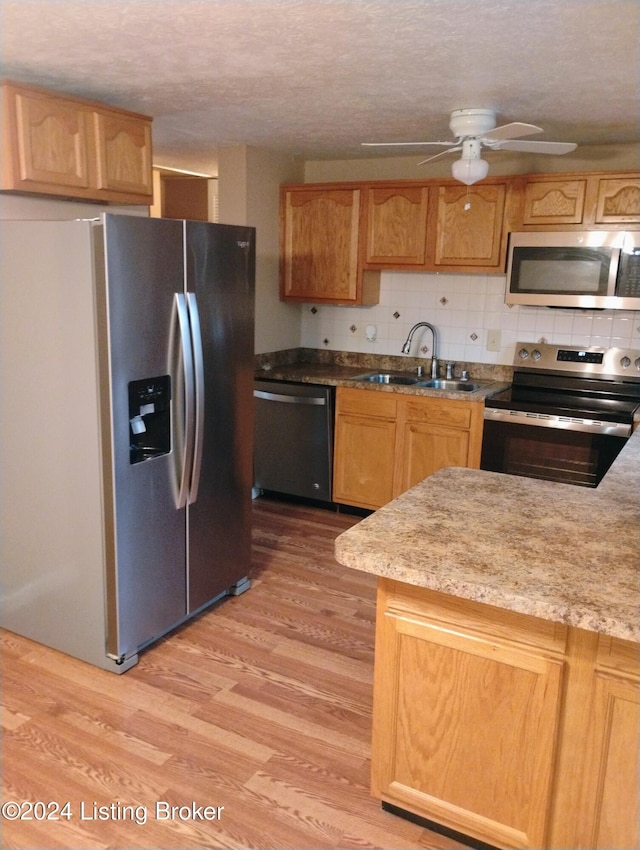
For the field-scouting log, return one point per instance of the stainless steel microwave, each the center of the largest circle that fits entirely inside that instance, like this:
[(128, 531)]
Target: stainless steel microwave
[(595, 269)]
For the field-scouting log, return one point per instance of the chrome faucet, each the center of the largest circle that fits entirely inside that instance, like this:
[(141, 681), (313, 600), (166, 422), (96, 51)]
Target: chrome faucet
[(406, 348)]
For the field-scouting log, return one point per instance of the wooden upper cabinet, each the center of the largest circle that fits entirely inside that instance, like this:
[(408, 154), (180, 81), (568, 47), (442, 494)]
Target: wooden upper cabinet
[(320, 247), (59, 145), (595, 200), (469, 225), (123, 146), (618, 200), (554, 201), (396, 225), (337, 237), (45, 141)]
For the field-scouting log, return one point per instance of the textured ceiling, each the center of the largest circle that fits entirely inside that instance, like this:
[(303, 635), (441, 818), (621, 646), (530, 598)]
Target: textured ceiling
[(314, 78)]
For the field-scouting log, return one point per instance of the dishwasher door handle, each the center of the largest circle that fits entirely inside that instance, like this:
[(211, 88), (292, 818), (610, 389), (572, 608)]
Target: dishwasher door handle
[(290, 399)]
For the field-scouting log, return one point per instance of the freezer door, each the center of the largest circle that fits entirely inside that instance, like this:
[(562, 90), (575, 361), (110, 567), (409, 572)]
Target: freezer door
[(220, 261), (146, 571)]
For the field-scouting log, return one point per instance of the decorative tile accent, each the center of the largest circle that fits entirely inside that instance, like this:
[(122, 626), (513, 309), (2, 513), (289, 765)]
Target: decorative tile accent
[(353, 329), (396, 315), (313, 310), (474, 336), (444, 301)]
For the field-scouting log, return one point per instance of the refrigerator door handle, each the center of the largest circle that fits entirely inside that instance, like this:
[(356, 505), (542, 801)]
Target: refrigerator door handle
[(183, 419), (198, 368)]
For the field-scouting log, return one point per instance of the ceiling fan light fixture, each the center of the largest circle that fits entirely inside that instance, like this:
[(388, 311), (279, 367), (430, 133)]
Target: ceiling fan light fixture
[(469, 171)]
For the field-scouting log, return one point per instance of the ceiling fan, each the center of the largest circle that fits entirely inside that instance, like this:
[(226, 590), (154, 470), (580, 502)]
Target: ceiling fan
[(476, 128)]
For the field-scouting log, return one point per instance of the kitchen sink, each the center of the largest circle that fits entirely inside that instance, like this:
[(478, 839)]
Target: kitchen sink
[(388, 378), (450, 386)]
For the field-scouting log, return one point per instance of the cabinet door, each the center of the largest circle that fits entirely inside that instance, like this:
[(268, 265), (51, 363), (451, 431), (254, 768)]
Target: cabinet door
[(617, 720), (427, 448), (464, 729), (364, 447), (123, 148), (433, 434), (618, 201), (469, 227), (320, 250), (49, 143), (611, 745), (396, 225), (554, 201)]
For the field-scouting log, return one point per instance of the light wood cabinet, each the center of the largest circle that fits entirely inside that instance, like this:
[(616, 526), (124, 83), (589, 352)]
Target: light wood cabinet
[(396, 225), (435, 433), (548, 201), (364, 447), (336, 237), (467, 228), (59, 145), (513, 730), (123, 154), (387, 442), (320, 247), (579, 201), (618, 200)]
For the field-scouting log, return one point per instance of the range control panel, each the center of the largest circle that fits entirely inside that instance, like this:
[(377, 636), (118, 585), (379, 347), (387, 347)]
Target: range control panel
[(615, 362)]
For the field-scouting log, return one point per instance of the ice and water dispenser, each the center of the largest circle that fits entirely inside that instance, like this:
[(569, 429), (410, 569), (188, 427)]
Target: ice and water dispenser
[(149, 418)]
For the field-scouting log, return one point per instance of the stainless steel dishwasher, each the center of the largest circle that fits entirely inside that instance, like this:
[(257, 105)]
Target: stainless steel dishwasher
[(293, 439)]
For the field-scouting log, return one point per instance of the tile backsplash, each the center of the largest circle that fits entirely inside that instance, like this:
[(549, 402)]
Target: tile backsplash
[(473, 322)]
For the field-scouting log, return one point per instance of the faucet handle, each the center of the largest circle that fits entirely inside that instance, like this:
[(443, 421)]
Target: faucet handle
[(450, 371)]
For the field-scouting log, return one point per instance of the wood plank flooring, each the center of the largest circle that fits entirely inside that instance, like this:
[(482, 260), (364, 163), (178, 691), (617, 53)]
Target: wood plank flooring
[(261, 706)]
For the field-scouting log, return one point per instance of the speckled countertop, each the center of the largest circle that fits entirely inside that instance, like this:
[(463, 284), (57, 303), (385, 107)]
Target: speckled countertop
[(340, 375), (556, 551)]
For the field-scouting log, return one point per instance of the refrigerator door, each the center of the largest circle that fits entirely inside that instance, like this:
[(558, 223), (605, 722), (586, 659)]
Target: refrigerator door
[(220, 263), (140, 379)]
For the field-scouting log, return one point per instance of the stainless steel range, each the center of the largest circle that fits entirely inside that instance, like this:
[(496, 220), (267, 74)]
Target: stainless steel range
[(567, 414)]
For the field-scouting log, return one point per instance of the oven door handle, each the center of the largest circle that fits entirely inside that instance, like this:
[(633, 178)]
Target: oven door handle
[(549, 420)]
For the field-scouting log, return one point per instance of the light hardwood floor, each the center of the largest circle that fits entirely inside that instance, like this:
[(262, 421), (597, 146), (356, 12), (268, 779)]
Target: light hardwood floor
[(261, 706)]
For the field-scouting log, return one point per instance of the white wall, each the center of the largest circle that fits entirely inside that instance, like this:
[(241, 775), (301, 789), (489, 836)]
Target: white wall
[(585, 158), (248, 185), (474, 306), (25, 207)]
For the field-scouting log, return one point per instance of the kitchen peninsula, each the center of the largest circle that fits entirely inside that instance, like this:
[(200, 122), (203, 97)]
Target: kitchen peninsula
[(506, 695)]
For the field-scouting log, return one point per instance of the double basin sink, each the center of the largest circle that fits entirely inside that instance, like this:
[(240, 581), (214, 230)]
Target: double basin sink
[(403, 379)]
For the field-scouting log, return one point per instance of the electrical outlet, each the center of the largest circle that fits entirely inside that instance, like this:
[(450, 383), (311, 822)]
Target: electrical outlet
[(493, 341)]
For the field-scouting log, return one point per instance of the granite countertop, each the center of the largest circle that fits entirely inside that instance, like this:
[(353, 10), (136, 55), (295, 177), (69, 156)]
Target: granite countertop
[(335, 375), (555, 551)]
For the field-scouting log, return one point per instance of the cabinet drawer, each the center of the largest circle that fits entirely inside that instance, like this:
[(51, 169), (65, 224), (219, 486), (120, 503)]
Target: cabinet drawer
[(367, 402), (449, 412), (454, 614)]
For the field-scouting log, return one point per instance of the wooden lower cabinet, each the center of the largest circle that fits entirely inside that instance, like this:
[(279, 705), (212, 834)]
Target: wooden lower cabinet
[(387, 442), (503, 727), (433, 434), (364, 448)]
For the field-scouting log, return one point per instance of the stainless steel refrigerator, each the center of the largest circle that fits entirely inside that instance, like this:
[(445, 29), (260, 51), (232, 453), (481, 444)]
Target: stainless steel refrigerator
[(126, 427)]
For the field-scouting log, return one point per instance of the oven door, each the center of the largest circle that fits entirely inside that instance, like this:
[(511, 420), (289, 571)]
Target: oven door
[(536, 449)]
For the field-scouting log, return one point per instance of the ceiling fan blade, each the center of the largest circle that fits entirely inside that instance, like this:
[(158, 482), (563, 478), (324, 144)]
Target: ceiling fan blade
[(442, 153), (512, 131), (536, 147), (402, 144)]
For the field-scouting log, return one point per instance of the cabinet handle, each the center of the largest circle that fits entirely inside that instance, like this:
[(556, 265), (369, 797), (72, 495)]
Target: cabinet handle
[(289, 399)]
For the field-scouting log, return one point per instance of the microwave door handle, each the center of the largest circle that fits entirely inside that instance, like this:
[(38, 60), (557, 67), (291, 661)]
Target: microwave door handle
[(614, 268)]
